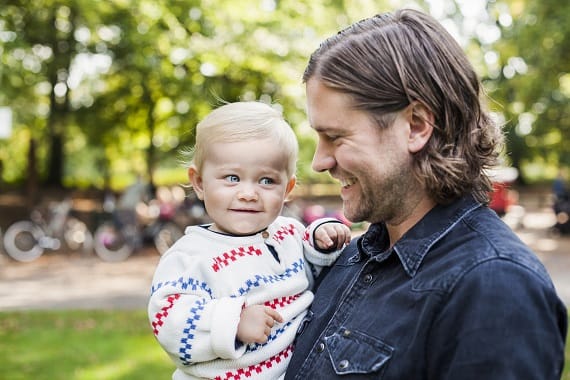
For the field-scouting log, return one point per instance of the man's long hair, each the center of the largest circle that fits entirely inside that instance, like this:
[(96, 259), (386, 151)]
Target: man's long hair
[(389, 61)]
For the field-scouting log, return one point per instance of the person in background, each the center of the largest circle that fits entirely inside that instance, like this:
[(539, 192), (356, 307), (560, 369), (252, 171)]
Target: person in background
[(561, 203), (438, 287), (228, 297), (559, 187)]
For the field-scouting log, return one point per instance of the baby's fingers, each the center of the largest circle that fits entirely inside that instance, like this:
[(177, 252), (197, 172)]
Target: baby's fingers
[(274, 315), (339, 235)]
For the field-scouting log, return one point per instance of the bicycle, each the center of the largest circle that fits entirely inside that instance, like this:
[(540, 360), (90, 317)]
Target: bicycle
[(118, 238), (116, 241), (26, 240)]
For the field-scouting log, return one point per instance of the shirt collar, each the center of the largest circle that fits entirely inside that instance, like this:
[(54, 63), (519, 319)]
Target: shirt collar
[(415, 244)]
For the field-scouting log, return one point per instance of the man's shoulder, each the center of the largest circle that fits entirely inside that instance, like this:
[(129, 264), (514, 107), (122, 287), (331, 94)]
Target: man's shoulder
[(479, 245)]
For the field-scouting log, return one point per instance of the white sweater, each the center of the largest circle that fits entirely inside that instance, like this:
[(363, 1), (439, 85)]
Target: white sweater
[(205, 279)]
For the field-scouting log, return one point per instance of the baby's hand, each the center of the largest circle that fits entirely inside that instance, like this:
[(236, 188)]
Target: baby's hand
[(256, 322), (332, 236)]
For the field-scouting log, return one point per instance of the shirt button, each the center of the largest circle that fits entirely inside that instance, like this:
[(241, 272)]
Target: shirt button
[(368, 278), (265, 234), (320, 347), (343, 364)]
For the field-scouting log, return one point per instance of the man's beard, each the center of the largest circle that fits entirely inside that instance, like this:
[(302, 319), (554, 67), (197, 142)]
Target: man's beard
[(383, 199)]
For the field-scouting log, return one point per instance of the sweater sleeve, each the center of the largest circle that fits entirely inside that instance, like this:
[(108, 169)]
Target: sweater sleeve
[(189, 323), (316, 259), (315, 256)]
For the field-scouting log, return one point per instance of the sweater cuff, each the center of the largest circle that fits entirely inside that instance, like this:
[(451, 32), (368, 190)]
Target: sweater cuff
[(310, 232), (225, 320)]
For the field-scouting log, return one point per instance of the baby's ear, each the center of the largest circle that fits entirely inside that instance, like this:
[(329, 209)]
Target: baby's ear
[(196, 181), (290, 185)]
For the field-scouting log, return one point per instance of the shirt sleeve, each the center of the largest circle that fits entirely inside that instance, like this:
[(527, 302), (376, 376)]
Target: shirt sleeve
[(188, 322), (501, 321)]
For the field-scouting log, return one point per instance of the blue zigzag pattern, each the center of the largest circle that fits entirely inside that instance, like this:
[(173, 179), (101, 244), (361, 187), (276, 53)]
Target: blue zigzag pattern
[(190, 283), (186, 341), (270, 279), (270, 338)]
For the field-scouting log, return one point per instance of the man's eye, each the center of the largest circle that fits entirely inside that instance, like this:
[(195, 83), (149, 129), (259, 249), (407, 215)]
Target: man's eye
[(266, 181), (232, 178), (328, 137)]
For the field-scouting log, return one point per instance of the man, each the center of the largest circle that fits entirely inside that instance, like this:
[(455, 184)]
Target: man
[(438, 287)]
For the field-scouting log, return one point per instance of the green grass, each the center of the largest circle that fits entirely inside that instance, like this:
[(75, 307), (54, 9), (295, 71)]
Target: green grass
[(88, 345), (80, 345)]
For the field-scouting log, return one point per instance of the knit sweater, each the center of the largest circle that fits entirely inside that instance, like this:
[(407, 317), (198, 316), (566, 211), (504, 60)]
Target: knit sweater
[(202, 283)]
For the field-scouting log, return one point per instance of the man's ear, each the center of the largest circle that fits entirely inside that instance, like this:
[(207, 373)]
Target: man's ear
[(421, 126), (196, 181)]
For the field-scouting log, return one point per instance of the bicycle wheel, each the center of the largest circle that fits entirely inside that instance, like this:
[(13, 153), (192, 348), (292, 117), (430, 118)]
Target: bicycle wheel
[(166, 236), (22, 241), (110, 244)]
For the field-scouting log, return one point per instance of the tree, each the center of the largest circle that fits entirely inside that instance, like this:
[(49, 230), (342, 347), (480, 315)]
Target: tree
[(112, 89), (532, 80), (39, 50)]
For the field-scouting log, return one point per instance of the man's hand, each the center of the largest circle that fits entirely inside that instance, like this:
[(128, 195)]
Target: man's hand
[(256, 322)]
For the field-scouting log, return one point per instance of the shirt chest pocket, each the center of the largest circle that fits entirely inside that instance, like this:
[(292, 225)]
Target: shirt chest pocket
[(352, 352)]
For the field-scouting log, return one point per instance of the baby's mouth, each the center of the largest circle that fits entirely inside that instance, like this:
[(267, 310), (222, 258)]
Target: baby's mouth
[(245, 210)]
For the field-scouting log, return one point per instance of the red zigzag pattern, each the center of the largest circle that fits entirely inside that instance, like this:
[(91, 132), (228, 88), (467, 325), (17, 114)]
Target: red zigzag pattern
[(158, 318), (284, 231), (256, 369), (281, 302), (229, 257)]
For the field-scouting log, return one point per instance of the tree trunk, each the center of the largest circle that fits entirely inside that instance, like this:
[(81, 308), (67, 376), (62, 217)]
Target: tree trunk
[(58, 70), (32, 177)]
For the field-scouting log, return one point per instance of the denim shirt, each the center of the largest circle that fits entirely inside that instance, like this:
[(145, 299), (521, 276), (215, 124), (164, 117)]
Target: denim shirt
[(458, 297)]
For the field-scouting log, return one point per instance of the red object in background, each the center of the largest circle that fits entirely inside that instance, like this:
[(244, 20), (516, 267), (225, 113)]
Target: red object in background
[(502, 197)]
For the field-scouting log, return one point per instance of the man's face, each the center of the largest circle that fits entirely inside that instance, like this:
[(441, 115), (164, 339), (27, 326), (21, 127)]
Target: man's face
[(372, 163)]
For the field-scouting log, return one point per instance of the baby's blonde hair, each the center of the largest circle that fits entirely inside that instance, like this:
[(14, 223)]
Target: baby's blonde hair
[(242, 121)]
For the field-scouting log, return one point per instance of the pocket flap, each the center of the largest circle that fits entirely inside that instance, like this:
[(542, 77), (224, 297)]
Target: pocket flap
[(355, 352)]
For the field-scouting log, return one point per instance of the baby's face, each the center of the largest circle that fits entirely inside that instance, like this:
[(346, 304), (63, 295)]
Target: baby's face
[(244, 185)]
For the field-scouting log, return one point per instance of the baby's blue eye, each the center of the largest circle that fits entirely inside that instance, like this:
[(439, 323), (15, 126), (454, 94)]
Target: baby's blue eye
[(232, 178), (266, 181)]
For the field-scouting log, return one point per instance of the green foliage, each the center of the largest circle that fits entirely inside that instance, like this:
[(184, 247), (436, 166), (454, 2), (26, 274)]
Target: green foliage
[(534, 82), (109, 89), (137, 76), (80, 345)]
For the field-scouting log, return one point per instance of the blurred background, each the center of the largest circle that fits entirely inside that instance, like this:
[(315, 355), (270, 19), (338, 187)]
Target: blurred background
[(99, 101), (96, 93)]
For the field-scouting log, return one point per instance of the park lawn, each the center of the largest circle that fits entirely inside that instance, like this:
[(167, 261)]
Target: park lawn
[(80, 345), (88, 345)]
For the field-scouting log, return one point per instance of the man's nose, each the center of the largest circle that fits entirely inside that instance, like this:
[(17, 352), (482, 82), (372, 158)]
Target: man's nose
[(323, 160)]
